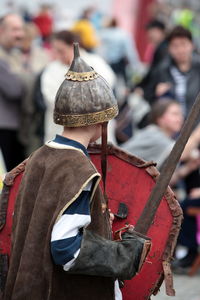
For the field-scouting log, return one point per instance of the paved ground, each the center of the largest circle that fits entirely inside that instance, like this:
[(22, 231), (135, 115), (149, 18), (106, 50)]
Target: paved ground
[(187, 288)]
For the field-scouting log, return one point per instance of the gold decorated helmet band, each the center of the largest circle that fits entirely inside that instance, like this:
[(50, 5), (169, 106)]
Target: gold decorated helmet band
[(77, 120), (84, 76)]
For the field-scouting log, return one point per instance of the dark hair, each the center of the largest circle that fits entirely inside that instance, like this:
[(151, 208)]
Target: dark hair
[(155, 24), (86, 13), (68, 37), (159, 108), (179, 32), (113, 22)]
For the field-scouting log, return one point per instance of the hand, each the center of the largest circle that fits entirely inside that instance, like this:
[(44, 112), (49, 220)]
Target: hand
[(192, 164), (111, 217), (162, 88), (194, 193), (139, 91), (187, 168), (131, 228)]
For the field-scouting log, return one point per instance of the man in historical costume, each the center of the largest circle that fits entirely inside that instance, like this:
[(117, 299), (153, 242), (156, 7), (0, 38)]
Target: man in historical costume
[(61, 239)]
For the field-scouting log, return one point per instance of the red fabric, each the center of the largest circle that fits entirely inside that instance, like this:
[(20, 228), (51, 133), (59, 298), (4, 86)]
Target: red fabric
[(148, 54), (45, 23), (6, 231), (143, 17), (198, 229)]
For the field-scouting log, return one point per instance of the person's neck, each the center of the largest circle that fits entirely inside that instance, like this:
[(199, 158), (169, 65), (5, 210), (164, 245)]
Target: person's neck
[(184, 66), (167, 132), (83, 139), (159, 42)]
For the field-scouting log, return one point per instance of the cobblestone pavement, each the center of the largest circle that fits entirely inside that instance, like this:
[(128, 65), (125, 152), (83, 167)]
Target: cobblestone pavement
[(187, 288)]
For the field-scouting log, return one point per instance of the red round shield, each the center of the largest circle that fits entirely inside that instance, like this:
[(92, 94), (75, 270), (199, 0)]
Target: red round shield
[(130, 180)]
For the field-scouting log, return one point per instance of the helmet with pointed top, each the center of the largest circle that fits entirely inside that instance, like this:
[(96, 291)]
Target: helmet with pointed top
[(84, 98)]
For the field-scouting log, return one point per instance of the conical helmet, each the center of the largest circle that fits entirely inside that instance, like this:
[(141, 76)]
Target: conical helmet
[(84, 98)]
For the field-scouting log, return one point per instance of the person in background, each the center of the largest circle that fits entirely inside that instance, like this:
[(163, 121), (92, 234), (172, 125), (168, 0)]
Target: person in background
[(190, 205), (179, 75), (179, 78), (156, 32), (34, 59), (84, 28), (118, 49), (188, 234), (96, 17), (12, 89), (53, 74), (155, 141), (44, 22)]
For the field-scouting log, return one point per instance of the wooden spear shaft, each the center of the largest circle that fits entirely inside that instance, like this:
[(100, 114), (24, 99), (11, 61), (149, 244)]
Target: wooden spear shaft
[(146, 218)]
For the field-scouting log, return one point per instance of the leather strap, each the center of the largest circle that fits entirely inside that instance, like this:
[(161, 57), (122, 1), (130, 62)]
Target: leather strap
[(168, 278), (104, 153)]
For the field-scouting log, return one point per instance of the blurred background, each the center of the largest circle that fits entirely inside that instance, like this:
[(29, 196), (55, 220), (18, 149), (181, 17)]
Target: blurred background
[(149, 53)]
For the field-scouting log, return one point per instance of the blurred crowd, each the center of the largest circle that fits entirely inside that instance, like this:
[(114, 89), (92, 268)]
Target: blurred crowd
[(154, 97)]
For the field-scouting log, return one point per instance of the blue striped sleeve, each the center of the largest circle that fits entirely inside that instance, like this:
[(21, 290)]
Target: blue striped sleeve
[(67, 233), (63, 250)]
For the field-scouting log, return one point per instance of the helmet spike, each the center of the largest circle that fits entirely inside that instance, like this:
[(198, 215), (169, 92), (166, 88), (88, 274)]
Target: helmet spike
[(76, 50), (78, 65)]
